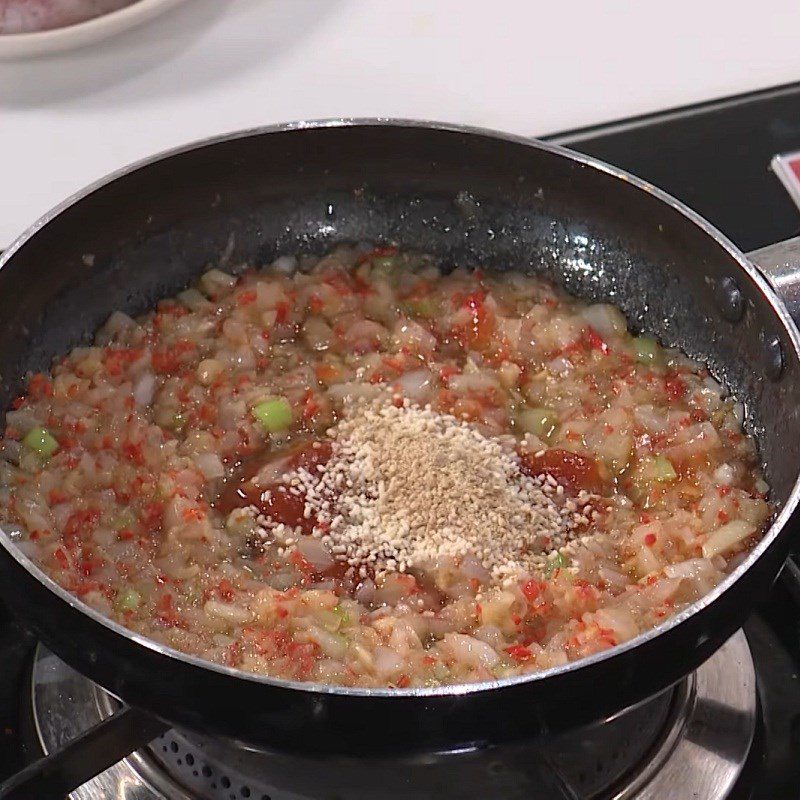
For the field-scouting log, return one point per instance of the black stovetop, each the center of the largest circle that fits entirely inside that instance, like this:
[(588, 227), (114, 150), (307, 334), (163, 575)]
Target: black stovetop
[(715, 157)]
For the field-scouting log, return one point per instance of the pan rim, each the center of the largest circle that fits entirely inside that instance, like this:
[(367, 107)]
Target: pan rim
[(455, 690)]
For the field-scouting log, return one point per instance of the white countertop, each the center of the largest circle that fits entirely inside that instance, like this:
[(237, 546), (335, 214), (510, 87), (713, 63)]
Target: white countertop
[(211, 66)]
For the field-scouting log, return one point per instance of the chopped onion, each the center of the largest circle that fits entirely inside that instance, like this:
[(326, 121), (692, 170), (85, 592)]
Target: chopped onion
[(365, 591), (365, 335), (317, 333), (387, 662), (115, 324), (690, 568), (315, 552), (332, 644), (729, 535), (210, 465), (285, 264), (724, 475), (193, 300), (473, 382), (216, 283), (492, 635), (144, 389), (472, 568), (410, 334), (559, 366), (269, 295), (605, 319), (620, 620), (416, 385), (354, 390), (228, 612), (469, 650)]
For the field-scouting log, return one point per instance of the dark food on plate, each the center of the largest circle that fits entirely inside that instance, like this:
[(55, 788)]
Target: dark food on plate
[(30, 16), (362, 470)]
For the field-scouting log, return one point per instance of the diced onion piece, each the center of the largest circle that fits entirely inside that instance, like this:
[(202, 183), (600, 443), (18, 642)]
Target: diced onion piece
[(410, 334), (416, 385), (472, 382), (334, 645), (216, 283), (41, 441), (315, 552), (144, 389), (387, 662), (317, 333), (605, 319), (724, 475), (354, 390), (469, 650), (541, 422), (228, 612), (285, 264), (472, 568), (193, 300), (115, 324), (365, 591), (728, 536), (270, 294), (273, 415), (620, 620), (210, 465), (208, 370)]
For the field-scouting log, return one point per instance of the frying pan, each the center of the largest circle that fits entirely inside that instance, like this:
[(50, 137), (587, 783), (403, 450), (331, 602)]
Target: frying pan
[(470, 197)]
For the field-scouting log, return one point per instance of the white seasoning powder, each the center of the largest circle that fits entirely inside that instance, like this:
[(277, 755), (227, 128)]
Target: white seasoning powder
[(406, 485)]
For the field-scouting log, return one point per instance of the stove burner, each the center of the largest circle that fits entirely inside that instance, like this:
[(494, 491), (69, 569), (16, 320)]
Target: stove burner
[(690, 741)]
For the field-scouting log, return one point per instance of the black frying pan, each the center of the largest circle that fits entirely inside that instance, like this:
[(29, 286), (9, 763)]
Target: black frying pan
[(473, 198)]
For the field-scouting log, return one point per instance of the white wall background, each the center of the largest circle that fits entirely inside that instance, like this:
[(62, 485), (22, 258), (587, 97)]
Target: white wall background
[(526, 66)]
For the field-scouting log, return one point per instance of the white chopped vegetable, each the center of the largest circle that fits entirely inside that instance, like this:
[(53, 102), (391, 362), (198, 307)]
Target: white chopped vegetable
[(387, 662), (469, 650), (210, 465), (216, 283), (724, 475), (144, 389), (605, 319), (315, 552), (317, 333), (416, 385), (285, 264), (728, 536), (228, 612), (193, 300), (115, 325)]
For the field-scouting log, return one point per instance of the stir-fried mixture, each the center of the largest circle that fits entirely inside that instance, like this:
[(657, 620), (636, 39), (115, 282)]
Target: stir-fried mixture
[(363, 470)]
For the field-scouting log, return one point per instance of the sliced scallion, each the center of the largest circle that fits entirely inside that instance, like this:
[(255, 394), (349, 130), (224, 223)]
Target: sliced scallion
[(647, 349), (127, 600), (541, 422), (420, 307), (559, 561), (273, 415), (41, 441)]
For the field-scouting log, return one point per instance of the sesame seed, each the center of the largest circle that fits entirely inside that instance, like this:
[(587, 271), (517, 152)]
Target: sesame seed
[(406, 485)]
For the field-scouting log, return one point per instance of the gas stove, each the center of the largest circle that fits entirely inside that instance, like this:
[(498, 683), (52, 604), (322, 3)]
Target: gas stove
[(691, 741), (729, 731)]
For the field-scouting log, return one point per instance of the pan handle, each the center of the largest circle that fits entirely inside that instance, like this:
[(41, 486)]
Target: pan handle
[(78, 761), (780, 265)]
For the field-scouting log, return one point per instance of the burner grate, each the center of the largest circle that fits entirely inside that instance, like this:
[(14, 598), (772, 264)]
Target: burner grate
[(651, 751)]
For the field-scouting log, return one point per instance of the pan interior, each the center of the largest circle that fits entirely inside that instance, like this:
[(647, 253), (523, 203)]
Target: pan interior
[(469, 198)]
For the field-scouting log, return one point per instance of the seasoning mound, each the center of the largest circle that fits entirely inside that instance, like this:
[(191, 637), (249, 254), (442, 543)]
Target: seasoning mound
[(407, 485)]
